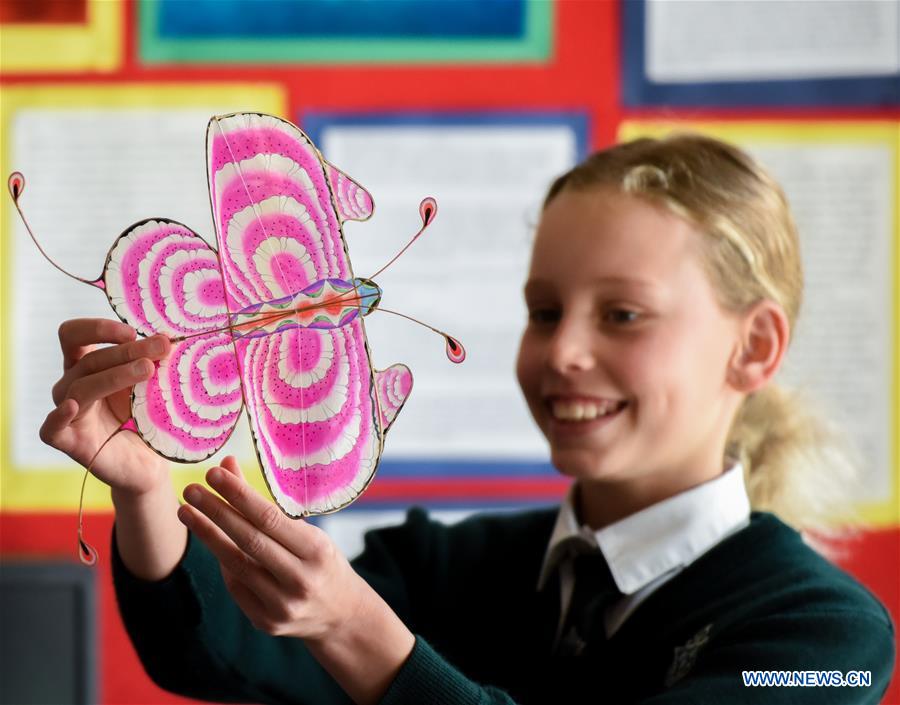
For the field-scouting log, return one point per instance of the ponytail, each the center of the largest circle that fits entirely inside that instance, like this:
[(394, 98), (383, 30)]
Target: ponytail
[(796, 464)]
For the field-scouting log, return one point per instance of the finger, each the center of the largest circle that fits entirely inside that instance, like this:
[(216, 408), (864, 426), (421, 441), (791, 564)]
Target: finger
[(241, 567), (154, 348), (298, 537), (77, 335), (230, 463), (53, 430), (87, 390), (252, 541)]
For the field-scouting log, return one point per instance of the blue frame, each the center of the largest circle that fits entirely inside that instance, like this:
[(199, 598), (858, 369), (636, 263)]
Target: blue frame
[(422, 468), (370, 19), (637, 91)]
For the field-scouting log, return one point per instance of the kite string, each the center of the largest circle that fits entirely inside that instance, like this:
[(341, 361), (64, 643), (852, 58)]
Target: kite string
[(284, 281), (87, 553)]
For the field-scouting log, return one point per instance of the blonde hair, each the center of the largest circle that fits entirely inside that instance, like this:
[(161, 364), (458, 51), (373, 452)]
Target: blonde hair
[(796, 464)]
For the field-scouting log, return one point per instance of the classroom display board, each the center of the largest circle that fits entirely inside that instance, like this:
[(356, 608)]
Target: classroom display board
[(480, 104)]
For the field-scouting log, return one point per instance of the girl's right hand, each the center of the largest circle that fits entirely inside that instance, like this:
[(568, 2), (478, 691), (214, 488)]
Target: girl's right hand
[(93, 399)]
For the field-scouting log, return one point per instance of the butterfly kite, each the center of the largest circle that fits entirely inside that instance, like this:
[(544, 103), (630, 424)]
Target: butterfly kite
[(270, 321)]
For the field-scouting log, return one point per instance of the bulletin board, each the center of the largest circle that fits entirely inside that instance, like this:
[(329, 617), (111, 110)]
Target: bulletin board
[(104, 108)]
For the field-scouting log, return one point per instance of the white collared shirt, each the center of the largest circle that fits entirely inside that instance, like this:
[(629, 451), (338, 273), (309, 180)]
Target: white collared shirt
[(650, 547)]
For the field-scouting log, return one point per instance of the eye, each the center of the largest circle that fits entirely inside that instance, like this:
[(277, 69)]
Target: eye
[(543, 314), (621, 315)]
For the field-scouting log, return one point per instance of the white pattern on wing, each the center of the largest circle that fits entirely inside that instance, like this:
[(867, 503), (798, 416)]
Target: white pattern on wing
[(185, 355), (304, 378), (327, 407), (249, 217)]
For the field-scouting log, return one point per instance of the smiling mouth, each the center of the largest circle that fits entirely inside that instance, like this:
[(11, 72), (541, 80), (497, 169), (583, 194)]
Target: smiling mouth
[(582, 410)]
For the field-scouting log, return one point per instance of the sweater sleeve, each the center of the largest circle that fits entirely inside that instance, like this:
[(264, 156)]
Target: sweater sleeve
[(193, 639), (428, 679), (827, 646)]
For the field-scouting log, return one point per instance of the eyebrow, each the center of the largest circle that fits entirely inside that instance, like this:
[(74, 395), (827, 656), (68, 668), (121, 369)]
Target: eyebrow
[(614, 279)]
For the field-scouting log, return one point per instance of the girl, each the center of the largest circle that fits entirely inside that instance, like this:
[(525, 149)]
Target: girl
[(664, 284)]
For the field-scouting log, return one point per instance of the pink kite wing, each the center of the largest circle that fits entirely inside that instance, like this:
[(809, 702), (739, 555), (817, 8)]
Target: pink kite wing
[(393, 386), (276, 223), (309, 391), (310, 401), (352, 201), (161, 277), (188, 409)]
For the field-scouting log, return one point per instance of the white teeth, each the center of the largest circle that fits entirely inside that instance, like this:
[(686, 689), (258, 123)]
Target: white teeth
[(582, 410)]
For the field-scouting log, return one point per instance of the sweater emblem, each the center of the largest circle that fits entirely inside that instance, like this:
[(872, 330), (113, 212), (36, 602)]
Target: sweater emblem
[(685, 656)]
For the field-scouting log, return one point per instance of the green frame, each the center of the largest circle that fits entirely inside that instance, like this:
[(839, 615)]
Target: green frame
[(534, 45)]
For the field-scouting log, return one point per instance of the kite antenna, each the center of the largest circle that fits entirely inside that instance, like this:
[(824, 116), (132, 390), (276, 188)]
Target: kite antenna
[(427, 210), (16, 184), (455, 350)]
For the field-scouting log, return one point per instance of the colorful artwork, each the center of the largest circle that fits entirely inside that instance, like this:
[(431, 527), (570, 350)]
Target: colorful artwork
[(344, 31), (67, 37), (484, 19), (43, 12), (270, 321), (727, 55)]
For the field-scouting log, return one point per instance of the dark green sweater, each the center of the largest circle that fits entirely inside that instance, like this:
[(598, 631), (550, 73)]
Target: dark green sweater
[(761, 599)]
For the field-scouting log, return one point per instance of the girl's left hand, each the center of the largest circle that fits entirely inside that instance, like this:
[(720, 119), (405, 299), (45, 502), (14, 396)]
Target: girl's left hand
[(290, 580), (287, 576)]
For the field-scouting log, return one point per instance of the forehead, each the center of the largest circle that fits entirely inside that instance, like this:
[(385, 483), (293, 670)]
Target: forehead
[(602, 233)]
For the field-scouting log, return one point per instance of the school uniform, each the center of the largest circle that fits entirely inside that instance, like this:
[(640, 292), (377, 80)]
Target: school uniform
[(649, 548), (695, 590)]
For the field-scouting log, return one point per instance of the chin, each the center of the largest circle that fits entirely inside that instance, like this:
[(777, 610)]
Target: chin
[(580, 464)]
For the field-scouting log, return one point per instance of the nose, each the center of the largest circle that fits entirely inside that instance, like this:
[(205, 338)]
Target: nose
[(571, 347)]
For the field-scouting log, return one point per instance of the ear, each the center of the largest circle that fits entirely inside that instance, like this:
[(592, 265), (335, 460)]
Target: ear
[(765, 333)]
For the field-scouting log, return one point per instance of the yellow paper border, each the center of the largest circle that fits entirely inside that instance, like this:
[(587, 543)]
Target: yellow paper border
[(93, 46), (886, 512), (57, 488)]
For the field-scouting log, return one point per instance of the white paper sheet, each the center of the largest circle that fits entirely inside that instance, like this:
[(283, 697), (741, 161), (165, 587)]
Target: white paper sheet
[(464, 276), (755, 40), (842, 352)]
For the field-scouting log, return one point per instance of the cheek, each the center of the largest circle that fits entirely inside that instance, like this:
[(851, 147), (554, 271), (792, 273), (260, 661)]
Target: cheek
[(659, 372), (642, 366), (677, 373), (528, 364)]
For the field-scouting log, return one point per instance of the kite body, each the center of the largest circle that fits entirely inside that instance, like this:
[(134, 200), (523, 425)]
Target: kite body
[(270, 321)]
